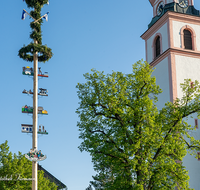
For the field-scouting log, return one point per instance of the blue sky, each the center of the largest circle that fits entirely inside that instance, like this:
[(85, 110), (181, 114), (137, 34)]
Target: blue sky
[(83, 34)]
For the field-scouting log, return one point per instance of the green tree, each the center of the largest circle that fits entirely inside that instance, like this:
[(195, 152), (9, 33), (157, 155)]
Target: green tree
[(16, 167), (133, 144), (89, 188)]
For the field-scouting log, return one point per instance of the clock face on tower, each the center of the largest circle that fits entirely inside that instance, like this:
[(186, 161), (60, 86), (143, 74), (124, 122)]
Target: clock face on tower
[(183, 3), (160, 8)]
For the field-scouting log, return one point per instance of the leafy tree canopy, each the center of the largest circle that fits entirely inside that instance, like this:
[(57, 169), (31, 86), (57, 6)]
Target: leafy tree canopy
[(17, 168), (133, 144)]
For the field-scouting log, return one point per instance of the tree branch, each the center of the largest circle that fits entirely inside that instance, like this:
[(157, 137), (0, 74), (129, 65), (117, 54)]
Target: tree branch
[(183, 116), (112, 156), (189, 146), (142, 88), (111, 140)]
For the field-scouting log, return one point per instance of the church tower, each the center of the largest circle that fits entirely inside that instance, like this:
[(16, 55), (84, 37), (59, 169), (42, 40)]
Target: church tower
[(172, 43)]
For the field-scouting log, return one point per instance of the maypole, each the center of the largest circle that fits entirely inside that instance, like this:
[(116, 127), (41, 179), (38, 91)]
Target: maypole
[(35, 52)]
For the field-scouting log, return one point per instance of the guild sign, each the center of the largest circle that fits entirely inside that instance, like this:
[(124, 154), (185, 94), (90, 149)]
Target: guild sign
[(35, 155), (27, 128)]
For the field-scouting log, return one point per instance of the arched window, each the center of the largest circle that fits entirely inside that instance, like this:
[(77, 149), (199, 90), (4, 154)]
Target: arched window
[(187, 39), (157, 46)]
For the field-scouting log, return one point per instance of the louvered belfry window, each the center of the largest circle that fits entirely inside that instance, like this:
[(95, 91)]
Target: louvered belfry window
[(157, 46), (196, 123), (187, 39), (198, 153)]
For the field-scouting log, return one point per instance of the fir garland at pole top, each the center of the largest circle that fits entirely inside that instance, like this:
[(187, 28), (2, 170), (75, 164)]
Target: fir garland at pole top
[(26, 52)]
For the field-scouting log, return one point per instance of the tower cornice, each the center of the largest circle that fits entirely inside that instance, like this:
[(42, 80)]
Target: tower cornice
[(173, 16), (175, 51)]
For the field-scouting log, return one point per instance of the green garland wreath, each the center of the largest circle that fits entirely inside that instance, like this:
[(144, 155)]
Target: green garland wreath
[(26, 52), (44, 53)]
